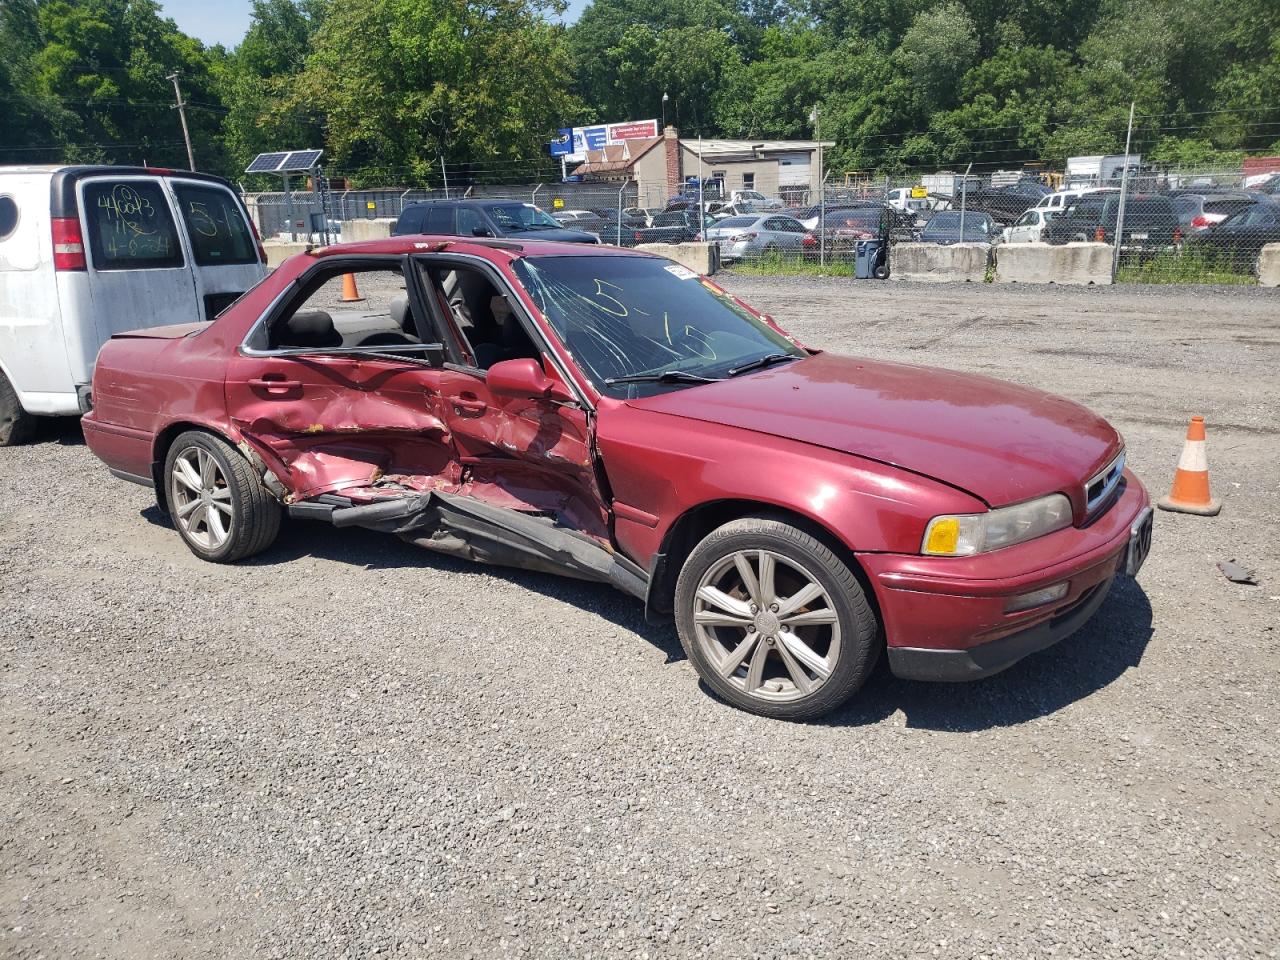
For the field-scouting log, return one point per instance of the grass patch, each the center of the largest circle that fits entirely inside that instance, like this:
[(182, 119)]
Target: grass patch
[(775, 265), (1187, 266)]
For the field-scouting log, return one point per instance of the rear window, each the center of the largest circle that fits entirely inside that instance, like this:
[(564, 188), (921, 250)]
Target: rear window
[(215, 225), (736, 221), (130, 226)]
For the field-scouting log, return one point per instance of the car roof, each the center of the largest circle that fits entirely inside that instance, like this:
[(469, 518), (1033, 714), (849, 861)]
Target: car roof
[(503, 250), (468, 201)]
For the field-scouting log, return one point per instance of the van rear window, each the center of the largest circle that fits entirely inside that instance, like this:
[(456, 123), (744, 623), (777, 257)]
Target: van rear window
[(215, 225), (130, 226)]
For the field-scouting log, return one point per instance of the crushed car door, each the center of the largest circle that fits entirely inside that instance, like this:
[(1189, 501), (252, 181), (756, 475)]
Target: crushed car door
[(341, 396), (530, 455)]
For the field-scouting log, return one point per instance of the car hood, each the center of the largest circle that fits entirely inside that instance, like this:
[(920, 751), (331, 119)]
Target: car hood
[(1001, 442), (563, 235)]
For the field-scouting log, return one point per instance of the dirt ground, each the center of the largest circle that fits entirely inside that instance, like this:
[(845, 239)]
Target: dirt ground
[(348, 747)]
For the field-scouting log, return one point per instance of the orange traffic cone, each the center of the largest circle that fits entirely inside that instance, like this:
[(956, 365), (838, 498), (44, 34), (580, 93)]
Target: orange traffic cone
[(1190, 493), (350, 292)]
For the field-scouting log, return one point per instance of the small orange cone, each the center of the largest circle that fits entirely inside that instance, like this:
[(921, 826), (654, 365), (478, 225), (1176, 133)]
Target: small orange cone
[(350, 292), (1190, 493)]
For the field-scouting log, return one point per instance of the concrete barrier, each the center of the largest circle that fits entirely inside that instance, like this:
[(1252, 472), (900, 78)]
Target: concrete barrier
[(703, 258), (933, 261), (1078, 264), (353, 231), (1269, 266), (278, 251)]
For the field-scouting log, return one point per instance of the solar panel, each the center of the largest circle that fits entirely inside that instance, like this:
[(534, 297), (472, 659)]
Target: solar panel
[(266, 162), (301, 160)]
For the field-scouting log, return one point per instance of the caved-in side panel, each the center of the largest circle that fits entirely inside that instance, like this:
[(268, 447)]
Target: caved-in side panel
[(335, 423), (532, 455)]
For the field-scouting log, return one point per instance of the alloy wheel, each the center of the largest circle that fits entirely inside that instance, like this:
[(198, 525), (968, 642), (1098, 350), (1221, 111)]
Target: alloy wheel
[(766, 625), (200, 498)]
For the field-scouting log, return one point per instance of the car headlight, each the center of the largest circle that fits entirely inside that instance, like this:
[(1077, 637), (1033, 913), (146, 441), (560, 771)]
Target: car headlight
[(963, 535)]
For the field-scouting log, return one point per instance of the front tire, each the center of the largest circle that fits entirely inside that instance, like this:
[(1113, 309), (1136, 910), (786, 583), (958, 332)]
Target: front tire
[(218, 504), (16, 425), (773, 621)]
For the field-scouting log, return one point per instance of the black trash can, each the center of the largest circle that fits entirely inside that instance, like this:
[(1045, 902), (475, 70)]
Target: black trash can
[(871, 260)]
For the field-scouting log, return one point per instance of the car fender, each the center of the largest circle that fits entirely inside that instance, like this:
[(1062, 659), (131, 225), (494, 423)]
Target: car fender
[(661, 467)]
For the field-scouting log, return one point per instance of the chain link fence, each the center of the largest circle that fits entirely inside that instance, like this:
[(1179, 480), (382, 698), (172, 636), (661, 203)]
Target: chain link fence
[(1164, 224)]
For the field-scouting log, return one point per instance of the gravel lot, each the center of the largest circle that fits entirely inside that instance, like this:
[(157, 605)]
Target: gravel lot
[(348, 747)]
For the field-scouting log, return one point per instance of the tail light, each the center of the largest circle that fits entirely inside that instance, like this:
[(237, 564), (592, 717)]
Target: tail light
[(257, 241), (68, 244), (1201, 221), (809, 240), (638, 237), (1177, 234), (1100, 235)]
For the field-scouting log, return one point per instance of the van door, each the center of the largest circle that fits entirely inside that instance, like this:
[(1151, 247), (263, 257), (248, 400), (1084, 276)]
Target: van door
[(224, 251), (138, 270)]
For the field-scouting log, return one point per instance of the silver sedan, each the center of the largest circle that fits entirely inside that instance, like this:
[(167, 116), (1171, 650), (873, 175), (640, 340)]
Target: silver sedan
[(756, 235)]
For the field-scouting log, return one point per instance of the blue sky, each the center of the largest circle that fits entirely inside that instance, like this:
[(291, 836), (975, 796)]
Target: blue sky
[(225, 21)]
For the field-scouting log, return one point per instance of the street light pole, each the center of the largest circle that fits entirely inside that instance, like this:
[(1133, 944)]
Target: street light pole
[(665, 98), (181, 107)]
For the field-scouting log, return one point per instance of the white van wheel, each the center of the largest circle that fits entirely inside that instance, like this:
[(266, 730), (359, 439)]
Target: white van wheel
[(16, 425)]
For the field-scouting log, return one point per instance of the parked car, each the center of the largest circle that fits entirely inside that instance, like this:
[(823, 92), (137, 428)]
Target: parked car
[(945, 227), (89, 251), (1199, 211), (484, 218), (756, 235), (1150, 222), (1239, 240), (641, 216), (675, 226), (754, 201), (530, 405), (604, 226), (1030, 227), (1005, 204), (809, 215), (844, 228)]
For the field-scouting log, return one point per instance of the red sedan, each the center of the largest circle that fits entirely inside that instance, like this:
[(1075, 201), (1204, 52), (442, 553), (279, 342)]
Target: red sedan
[(612, 416)]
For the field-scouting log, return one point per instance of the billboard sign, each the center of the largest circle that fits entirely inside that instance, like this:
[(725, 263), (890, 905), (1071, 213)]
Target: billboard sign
[(599, 136), (562, 145)]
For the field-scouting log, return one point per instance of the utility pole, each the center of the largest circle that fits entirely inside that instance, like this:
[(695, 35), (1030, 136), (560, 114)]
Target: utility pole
[(822, 189), (181, 107), (1124, 190)]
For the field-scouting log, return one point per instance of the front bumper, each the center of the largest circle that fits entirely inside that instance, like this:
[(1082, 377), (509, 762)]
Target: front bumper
[(946, 618)]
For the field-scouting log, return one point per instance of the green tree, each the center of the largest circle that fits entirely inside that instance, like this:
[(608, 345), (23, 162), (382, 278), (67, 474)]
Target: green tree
[(402, 83), (106, 62), (256, 81)]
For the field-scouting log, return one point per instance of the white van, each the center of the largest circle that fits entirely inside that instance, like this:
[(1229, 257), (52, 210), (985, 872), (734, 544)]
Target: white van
[(90, 251)]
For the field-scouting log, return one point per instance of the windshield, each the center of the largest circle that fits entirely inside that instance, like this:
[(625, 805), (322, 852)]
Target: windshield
[(632, 316), (521, 216)]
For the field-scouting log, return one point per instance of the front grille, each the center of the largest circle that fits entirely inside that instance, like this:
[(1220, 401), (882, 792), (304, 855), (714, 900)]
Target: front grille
[(1100, 487)]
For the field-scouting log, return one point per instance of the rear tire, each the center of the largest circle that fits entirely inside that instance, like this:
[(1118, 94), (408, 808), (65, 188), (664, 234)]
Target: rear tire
[(218, 504), (16, 425), (775, 622)]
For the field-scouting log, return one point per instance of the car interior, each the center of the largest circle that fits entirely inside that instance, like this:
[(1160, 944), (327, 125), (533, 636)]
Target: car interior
[(483, 316), (323, 319)]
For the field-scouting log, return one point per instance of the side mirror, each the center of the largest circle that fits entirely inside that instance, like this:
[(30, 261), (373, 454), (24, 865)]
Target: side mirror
[(523, 379), (481, 232)]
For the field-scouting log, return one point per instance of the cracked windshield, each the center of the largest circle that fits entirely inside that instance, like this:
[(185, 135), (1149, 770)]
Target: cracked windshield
[(639, 326)]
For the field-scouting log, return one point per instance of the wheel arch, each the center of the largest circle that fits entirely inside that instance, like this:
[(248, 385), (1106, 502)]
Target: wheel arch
[(164, 440), (694, 524)]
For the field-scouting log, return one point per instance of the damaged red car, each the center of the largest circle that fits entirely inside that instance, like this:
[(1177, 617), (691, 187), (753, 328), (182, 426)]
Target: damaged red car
[(610, 415)]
